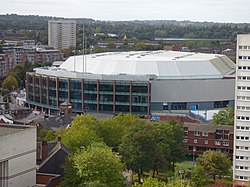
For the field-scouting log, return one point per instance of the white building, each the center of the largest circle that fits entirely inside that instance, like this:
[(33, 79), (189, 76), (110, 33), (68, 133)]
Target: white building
[(135, 82), (241, 158), (17, 156), (62, 33)]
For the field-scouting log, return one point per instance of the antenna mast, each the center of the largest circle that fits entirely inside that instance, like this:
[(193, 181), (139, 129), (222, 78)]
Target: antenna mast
[(83, 48)]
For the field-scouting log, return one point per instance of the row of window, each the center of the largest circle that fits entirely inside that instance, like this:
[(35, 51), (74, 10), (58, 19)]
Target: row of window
[(206, 142), (243, 108), (244, 68), (244, 78), (241, 177), (241, 157), (243, 118), (244, 88), (242, 128), (244, 47), (242, 148), (243, 98), (242, 138), (197, 133), (242, 168), (244, 57)]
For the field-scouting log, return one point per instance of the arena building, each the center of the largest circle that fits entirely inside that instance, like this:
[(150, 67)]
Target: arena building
[(136, 82)]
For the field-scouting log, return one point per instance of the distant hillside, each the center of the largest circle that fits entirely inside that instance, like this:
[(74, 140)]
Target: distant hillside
[(142, 30)]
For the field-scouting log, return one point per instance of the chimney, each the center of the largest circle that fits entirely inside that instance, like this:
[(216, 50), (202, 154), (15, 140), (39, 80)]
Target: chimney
[(44, 150), (59, 138)]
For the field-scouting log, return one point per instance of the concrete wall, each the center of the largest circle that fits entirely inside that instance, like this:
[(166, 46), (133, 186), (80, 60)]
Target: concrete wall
[(192, 90), (18, 149)]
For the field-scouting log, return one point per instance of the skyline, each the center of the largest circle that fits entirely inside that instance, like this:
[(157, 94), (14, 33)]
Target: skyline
[(224, 11)]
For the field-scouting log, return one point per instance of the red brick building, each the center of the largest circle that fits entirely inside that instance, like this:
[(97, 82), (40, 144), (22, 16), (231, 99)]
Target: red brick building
[(203, 137)]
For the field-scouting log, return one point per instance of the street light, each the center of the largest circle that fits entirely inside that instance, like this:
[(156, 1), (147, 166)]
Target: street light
[(193, 155), (181, 172)]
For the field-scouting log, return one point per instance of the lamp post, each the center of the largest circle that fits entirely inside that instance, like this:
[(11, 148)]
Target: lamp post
[(181, 172), (193, 155)]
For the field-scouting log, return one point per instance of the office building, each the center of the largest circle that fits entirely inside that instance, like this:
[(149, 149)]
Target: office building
[(241, 161), (62, 33)]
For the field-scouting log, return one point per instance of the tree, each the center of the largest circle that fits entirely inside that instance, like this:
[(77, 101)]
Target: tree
[(138, 147), (95, 164), (19, 73), (80, 134), (154, 182), (214, 163), (169, 137), (113, 129), (198, 176), (50, 136), (151, 182), (176, 150), (140, 46), (224, 117), (10, 83)]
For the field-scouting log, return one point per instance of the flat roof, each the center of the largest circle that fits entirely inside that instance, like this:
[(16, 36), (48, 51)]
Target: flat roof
[(11, 128)]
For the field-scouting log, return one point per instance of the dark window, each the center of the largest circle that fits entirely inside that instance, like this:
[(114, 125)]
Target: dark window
[(221, 104), (178, 106)]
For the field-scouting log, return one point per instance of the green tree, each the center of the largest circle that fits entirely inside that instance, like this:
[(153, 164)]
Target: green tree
[(140, 46), (214, 163), (19, 73), (113, 129), (154, 182), (160, 34), (50, 136), (151, 182), (111, 45), (10, 84), (95, 164), (224, 117), (199, 177), (80, 134), (169, 137), (138, 147)]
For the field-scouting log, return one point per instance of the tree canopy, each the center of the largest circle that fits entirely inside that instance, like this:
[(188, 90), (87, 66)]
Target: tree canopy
[(214, 163), (94, 164), (113, 129), (151, 146), (79, 134), (224, 117), (10, 83)]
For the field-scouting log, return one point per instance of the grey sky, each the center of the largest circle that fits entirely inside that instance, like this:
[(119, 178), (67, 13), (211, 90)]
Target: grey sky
[(195, 10)]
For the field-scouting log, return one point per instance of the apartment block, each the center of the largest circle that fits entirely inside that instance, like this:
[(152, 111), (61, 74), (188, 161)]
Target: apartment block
[(199, 138), (241, 160), (62, 33)]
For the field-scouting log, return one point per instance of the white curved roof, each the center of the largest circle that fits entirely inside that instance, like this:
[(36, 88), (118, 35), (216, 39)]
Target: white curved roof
[(159, 63)]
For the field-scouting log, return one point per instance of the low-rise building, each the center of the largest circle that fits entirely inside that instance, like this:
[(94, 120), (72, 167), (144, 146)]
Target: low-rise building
[(203, 137)]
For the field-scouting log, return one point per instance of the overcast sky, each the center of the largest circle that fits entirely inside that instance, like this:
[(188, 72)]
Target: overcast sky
[(195, 10)]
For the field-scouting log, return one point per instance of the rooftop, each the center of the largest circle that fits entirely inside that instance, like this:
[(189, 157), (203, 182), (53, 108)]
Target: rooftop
[(144, 65), (208, 127), (10, 129), (159, 63)]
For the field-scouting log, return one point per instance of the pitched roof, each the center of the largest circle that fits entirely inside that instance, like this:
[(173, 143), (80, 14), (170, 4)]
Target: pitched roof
[(55, 122), (208, 127), (52, 164)]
